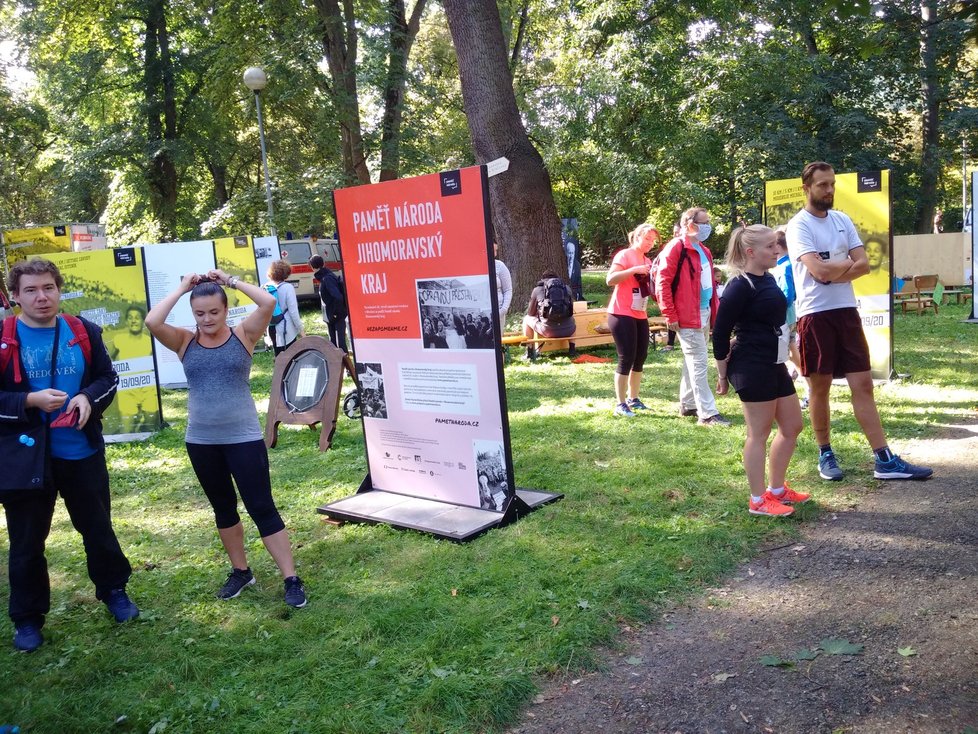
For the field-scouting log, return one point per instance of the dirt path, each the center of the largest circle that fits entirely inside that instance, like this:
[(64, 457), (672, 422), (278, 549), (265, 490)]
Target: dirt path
[(898, 571)]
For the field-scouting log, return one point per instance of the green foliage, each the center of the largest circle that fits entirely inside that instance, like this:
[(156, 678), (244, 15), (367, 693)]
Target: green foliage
[(639, 109)]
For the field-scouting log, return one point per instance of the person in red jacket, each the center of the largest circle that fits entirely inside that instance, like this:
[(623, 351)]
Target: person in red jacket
[(687, 294)]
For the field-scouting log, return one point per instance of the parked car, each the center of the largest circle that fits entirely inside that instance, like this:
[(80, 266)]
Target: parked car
[(297, 253)]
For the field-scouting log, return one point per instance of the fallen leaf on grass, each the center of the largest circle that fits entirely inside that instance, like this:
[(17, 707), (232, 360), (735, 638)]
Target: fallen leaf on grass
[(554, 620), (454, 592), (773, 661), (907, 652), (602, 464), (583, 604), (721, 677), (833, 646)]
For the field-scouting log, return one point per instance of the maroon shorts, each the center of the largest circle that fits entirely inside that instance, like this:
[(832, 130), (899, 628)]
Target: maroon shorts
[(833, 343)]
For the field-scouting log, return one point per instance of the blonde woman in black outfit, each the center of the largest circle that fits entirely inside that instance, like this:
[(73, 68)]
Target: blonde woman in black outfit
[(753, 309)]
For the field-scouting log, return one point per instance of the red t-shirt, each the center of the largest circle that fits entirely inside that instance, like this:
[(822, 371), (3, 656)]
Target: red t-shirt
[(626, 299)]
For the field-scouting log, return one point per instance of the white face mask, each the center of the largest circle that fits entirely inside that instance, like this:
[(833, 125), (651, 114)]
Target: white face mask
[(703, 231)]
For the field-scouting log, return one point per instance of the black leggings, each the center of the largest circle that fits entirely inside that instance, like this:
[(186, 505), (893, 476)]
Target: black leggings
[(247, 463), (631, 337)]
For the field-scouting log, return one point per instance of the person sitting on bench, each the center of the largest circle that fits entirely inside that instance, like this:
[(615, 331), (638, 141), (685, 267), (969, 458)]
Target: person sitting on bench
[(550, 312)]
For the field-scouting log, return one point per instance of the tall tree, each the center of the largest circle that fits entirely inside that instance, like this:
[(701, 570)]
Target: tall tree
[(340, 27), (403, 31), (930, 91), (523, 210), (160, 111)]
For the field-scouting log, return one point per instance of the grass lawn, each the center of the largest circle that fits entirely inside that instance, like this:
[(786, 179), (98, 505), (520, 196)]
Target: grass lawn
[(405, 633)]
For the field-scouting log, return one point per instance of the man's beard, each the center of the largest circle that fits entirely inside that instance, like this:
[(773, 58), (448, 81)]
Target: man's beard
[(823, 204)]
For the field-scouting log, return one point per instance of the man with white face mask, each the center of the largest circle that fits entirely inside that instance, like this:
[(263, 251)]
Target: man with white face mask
[(687, 294)]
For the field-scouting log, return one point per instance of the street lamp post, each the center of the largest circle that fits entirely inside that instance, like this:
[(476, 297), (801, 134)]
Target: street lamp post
[(255, 79)]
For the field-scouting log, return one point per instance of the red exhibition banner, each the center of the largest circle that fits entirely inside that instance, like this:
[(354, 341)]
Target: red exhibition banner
[(420, 283)]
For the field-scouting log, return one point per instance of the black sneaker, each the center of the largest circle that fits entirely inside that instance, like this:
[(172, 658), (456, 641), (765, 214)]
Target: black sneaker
[(236, 582), (295, 592), (121, 605)]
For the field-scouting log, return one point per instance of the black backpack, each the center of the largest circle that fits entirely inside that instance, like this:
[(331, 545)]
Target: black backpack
[(557, 302), (331, 292)]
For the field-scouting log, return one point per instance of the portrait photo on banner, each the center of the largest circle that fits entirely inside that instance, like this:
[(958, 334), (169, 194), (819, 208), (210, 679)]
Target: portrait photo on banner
[(456, 313)]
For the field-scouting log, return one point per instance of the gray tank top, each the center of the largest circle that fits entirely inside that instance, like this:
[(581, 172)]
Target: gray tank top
[(220, 408)]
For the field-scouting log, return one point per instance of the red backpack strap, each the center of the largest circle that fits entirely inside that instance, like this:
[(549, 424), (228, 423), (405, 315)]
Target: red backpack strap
[(10, 348), (80, 337)]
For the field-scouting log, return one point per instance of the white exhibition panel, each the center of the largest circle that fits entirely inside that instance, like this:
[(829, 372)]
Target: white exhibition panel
[(166, 264)]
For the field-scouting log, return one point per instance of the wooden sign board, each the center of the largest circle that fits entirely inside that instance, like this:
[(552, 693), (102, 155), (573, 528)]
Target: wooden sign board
[(306, 388)]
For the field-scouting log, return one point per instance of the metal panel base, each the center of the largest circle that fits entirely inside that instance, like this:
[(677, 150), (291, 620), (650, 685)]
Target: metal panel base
[(442, 519)]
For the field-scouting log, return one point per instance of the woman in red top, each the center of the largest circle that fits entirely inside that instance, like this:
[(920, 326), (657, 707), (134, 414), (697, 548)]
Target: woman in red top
[(628, 319)]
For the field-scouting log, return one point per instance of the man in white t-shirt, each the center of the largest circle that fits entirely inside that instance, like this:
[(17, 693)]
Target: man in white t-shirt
[(827, 255)]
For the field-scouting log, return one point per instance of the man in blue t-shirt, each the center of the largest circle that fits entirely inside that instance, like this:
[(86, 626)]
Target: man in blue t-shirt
[(48, 380)]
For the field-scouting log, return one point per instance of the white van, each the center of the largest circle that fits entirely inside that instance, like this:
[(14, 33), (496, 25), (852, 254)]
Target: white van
[(297, 254)]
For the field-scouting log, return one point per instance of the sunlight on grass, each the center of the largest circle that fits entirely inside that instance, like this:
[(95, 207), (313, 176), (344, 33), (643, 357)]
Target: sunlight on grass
[(405, 633)]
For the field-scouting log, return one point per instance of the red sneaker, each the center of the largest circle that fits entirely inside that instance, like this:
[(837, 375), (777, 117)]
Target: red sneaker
[(770, 505), (791, 497)]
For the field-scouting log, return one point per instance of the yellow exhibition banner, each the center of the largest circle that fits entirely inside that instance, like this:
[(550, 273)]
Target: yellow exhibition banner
[(108, 287), (865, 198), (21, 244)]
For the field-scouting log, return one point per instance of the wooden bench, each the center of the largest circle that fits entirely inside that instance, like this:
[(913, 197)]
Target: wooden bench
[(592, 331)]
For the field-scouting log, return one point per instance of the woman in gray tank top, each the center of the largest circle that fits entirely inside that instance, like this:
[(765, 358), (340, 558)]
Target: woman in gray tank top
[(224, 439)]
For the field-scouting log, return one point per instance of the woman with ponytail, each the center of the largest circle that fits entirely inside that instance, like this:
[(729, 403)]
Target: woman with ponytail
[(628, 318), (753, 309)]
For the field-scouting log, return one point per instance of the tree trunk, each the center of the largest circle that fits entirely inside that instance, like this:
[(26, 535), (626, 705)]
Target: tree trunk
[(402, 35), (219, 175), (514, 57), (339, 38), (930, 132), (523, 211), (160, 105)]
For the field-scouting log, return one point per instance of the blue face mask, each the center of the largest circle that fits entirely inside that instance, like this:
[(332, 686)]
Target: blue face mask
[(703, 231)]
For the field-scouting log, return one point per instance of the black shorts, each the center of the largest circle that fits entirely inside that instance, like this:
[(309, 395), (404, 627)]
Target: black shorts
[(833, 343), (760, 384)]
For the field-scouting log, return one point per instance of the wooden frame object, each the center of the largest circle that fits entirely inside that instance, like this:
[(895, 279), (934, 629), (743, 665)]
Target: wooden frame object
[(326, 408), (922, 296)]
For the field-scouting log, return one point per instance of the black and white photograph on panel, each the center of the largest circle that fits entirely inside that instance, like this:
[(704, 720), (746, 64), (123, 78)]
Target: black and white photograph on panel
[(490, 468), (373, 401), (456, 313)]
